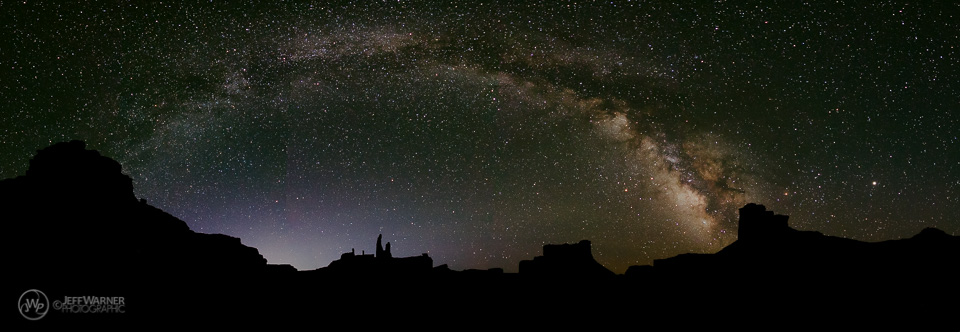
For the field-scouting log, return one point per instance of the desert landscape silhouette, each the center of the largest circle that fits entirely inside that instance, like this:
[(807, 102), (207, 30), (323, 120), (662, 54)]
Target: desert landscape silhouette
[(74, 228)]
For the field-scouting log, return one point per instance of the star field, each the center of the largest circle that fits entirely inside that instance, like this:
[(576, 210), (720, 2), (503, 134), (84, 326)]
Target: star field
[(479, 132)]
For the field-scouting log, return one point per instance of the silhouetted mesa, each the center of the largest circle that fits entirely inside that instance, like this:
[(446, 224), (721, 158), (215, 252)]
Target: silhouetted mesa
[(565, 261)]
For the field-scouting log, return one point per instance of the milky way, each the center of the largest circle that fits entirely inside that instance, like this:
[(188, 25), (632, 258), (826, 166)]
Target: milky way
[(480, 132)]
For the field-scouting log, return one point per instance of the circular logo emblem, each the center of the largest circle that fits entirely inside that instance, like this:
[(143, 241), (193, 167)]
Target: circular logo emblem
[(33, 304)]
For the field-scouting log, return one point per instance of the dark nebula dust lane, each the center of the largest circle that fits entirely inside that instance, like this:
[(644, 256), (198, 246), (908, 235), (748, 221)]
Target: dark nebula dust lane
[(480, 132)]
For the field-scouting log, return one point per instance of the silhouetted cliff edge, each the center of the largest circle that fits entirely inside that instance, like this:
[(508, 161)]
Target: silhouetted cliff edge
[(76, 211), (74, 227)]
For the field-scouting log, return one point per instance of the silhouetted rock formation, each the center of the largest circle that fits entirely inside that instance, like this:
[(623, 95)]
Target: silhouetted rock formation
[(73, 219), (565, 261), (74, 227), (768, 245), (382, 262), (383, 253), (781, 274), (758, 224)]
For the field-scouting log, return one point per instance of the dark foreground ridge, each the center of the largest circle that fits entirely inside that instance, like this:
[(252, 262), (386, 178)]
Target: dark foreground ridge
[(74, 228)]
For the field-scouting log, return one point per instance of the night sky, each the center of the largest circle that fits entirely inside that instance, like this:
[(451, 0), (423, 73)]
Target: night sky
[(479, 132)]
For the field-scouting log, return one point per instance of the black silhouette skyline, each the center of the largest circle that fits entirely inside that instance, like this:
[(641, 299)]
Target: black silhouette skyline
[(75, 227), (482, 132)]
